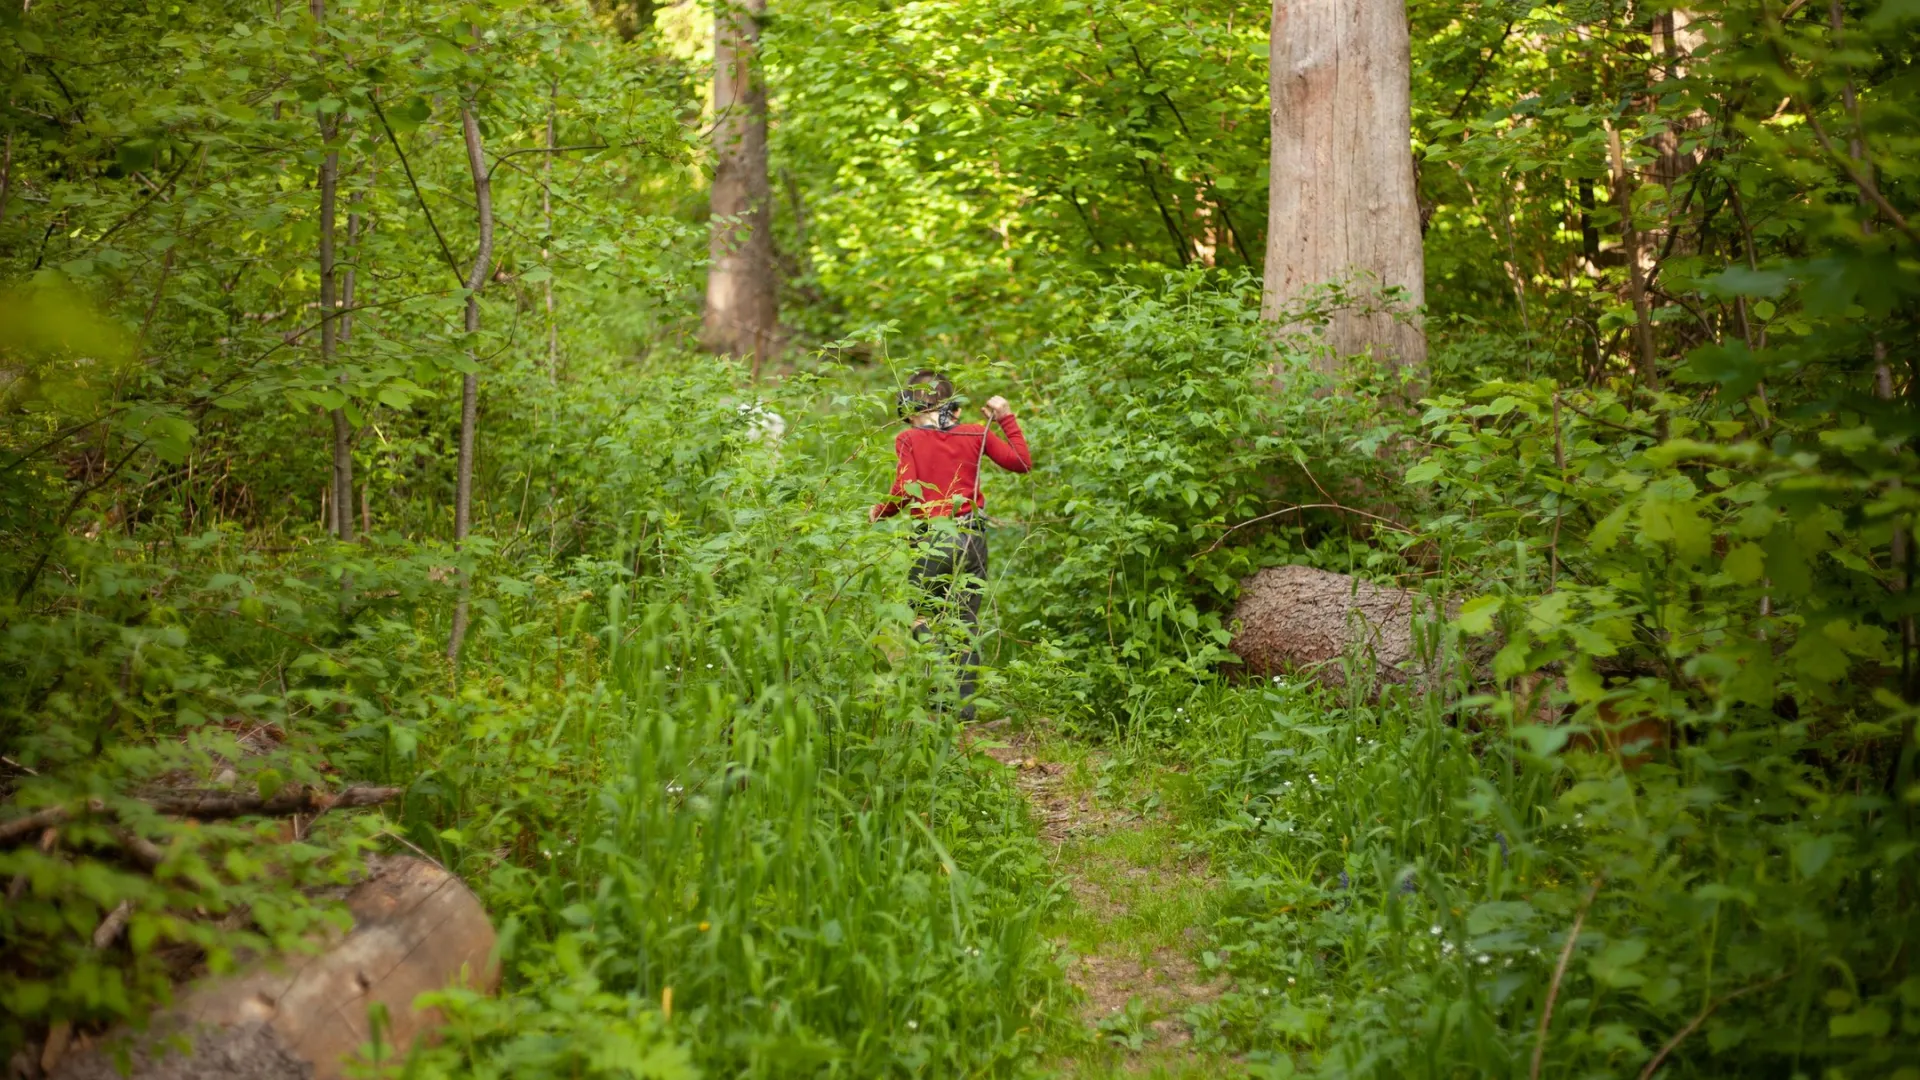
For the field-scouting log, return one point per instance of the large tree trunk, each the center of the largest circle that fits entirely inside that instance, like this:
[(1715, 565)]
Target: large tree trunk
[(742, 299), (1341, 202)]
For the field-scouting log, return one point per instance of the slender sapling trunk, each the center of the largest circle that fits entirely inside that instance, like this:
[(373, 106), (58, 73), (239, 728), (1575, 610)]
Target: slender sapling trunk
[(340, 520), (470, 382)]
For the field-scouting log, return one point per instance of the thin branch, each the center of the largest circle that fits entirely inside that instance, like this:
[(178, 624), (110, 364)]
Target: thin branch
[(1578, 411), (500, 159), (1213, 192), (33, 575), (1231, 529), (1173, 230), (445, 251), (144, 203), (1480, 72), (56, 438), (32, 823), (144, 851), (1559, 972), (411, 846), (205, 806), (1866, 186), (1694, 1024), (110, 927)]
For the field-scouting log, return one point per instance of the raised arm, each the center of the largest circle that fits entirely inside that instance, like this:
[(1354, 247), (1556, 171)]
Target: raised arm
[(1011, 453)]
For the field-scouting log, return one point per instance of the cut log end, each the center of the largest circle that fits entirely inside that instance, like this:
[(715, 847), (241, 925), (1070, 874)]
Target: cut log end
[(1296, 620)]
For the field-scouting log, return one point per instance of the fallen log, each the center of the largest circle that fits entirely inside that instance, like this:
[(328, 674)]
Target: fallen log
[(214, 805), (209, 805), (416, 928)]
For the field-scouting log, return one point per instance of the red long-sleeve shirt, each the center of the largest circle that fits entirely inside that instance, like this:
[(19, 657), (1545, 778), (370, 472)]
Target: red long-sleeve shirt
[(946, 466)]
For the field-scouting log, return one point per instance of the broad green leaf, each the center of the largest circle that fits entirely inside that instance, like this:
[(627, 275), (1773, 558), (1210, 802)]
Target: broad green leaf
[(1872, 1022), (1476, 615)]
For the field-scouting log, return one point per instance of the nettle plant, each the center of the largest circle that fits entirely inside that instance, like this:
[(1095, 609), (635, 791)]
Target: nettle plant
[(1703, 594)]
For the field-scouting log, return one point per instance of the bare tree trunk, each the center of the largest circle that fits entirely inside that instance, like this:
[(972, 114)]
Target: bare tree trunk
[(6, 175), (1633, 242), (1341, 204), (470, 383), (546, 213), (340, 522), (357, 228), (742, 289)]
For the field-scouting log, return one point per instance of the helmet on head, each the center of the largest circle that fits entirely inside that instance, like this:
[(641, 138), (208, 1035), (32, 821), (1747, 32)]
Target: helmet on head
[(927, 391)]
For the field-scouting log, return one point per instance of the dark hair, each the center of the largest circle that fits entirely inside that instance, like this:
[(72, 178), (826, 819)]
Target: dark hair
[(925, 389)]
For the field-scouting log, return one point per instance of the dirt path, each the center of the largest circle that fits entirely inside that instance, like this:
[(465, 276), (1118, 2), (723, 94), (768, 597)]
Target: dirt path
[(1135, 924)]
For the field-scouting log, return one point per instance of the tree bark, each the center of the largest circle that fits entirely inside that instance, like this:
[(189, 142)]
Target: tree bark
[(1639, 253), (470, 383), (1341, 205), (340, 521), (6, 175), (546, 216), (742, 290)]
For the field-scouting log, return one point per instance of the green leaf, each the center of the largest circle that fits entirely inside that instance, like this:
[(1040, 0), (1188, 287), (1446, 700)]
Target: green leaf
[(1740, 281), (1745, 564), (1514, 658), (1786, 563), (1424, 471), (1543, 740), (1476, 615), (1811, 854), (1614, 964), (1607, 532), (1872, 1022), (1717, 891)]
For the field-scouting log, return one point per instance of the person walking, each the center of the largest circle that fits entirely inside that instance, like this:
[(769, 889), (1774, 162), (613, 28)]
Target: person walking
[(937, 463)]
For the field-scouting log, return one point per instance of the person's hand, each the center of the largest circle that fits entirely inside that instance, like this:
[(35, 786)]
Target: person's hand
[(873, 513), (997, 407)]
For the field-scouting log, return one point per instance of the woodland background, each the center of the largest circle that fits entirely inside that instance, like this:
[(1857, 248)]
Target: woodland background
[(362, 421)]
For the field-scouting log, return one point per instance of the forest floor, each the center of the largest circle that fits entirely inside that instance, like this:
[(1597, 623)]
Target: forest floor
[(1137, 910)]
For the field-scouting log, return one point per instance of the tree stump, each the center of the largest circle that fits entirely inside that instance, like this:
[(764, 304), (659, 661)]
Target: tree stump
[(416, 928), (1298, 620)]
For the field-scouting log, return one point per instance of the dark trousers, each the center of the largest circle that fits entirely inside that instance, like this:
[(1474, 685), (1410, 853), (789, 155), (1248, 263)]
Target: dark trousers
[(950, 575)]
